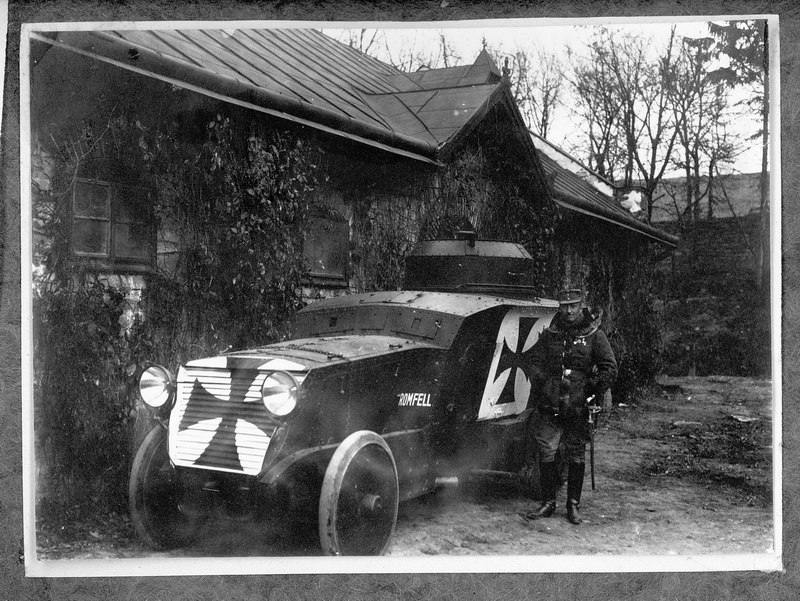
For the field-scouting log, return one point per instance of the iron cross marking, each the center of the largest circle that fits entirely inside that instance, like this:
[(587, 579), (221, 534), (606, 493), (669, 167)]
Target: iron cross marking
[(223, 443), (515, 359)]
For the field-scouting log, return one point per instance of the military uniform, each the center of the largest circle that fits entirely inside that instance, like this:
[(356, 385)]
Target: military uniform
[(571, 362)]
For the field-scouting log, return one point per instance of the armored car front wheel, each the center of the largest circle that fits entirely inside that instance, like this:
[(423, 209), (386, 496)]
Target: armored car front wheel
[(359, 499), (154, 496)]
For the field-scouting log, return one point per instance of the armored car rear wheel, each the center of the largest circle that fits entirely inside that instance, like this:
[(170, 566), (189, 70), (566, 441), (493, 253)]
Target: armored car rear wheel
[(359, 499), (154, 496)]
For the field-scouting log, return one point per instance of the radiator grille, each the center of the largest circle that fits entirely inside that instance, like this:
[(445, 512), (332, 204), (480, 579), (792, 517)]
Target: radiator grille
[(219, 421)]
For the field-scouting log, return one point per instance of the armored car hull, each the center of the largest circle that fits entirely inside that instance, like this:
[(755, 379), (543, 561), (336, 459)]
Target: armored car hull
[(374, 398)]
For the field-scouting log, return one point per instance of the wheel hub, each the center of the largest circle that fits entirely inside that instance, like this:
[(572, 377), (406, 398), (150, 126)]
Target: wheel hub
[(372, 503)]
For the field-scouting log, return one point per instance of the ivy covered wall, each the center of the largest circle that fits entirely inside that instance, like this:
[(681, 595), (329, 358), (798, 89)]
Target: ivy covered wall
[(617, 272)]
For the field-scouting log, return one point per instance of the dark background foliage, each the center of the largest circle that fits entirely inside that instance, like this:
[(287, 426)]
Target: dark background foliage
[(84, 406), (240, 207)]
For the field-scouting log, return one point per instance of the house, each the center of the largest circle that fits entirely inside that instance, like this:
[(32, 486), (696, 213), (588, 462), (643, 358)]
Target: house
[(397, 157), (365, 109), (191, 189)]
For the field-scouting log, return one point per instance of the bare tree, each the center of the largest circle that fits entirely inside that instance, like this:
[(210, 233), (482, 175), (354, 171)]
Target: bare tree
[(624, 100), (649, 125), (598, 110), (537, 82), (702, 113), (411, 55), (363, 40), (745, 45), (449, 57)]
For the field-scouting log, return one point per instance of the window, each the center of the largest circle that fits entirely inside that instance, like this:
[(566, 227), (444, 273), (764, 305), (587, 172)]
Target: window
[(326, 249), (111, 226)]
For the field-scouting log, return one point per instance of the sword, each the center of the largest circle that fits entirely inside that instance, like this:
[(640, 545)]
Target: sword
[(591, 456), (593, 411)]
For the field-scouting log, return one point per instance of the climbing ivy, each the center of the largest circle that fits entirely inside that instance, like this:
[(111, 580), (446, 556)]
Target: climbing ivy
[(82, 407), (635, 325), (82, 395), (617, 272), (239, 208)]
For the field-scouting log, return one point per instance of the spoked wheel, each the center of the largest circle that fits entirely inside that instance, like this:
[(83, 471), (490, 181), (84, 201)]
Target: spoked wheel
[(359, 498), (154, 496)]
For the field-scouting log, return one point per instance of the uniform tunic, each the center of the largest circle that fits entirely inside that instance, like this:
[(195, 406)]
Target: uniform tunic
[(569, 363)]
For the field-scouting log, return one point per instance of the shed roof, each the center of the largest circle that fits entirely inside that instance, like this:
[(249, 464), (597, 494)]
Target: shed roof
[(576, 194), (575, 187)]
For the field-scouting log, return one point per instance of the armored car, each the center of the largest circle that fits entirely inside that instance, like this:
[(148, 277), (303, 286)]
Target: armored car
[(374, 398)]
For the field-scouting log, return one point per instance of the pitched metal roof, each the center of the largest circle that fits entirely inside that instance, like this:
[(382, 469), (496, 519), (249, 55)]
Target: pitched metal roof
[(570, 163), (432, 115), (306, 76), (483, 70), (575, 193)]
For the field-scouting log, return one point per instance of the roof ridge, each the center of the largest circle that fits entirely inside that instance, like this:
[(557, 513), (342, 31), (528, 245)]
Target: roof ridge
[(396, 95), (436, 89)]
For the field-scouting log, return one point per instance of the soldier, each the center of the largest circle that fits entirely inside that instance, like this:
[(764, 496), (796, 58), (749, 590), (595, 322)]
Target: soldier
[(571, 362)]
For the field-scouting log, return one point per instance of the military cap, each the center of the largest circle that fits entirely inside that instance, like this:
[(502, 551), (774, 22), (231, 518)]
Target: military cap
[(568, 297)]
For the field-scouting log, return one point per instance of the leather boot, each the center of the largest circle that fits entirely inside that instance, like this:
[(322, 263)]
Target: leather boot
[(548, 480), (574, 488)]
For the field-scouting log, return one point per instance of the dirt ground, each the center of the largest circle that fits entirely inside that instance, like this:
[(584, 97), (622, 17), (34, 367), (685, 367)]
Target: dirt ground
[(685, 470)]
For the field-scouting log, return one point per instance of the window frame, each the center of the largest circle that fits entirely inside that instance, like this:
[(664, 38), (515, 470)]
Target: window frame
[(339, 278), (115, 216)]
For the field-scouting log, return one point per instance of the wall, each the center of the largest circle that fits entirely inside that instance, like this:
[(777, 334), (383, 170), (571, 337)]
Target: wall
[(713, 255), (735, 195), (716, 317)]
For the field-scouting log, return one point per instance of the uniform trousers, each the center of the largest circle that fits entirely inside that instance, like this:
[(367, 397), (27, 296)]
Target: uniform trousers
[(550, 432)]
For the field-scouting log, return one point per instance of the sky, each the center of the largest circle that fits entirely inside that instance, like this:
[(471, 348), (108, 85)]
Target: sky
[(466, 39)]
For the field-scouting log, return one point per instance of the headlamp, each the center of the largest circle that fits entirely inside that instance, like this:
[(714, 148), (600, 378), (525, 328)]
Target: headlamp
[(279, 393), (156, 385)]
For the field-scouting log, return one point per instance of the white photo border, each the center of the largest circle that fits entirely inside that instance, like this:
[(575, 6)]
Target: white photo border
[(34, 567)]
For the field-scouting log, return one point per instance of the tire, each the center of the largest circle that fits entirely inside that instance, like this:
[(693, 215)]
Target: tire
[(154, 495), (359, 498)]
